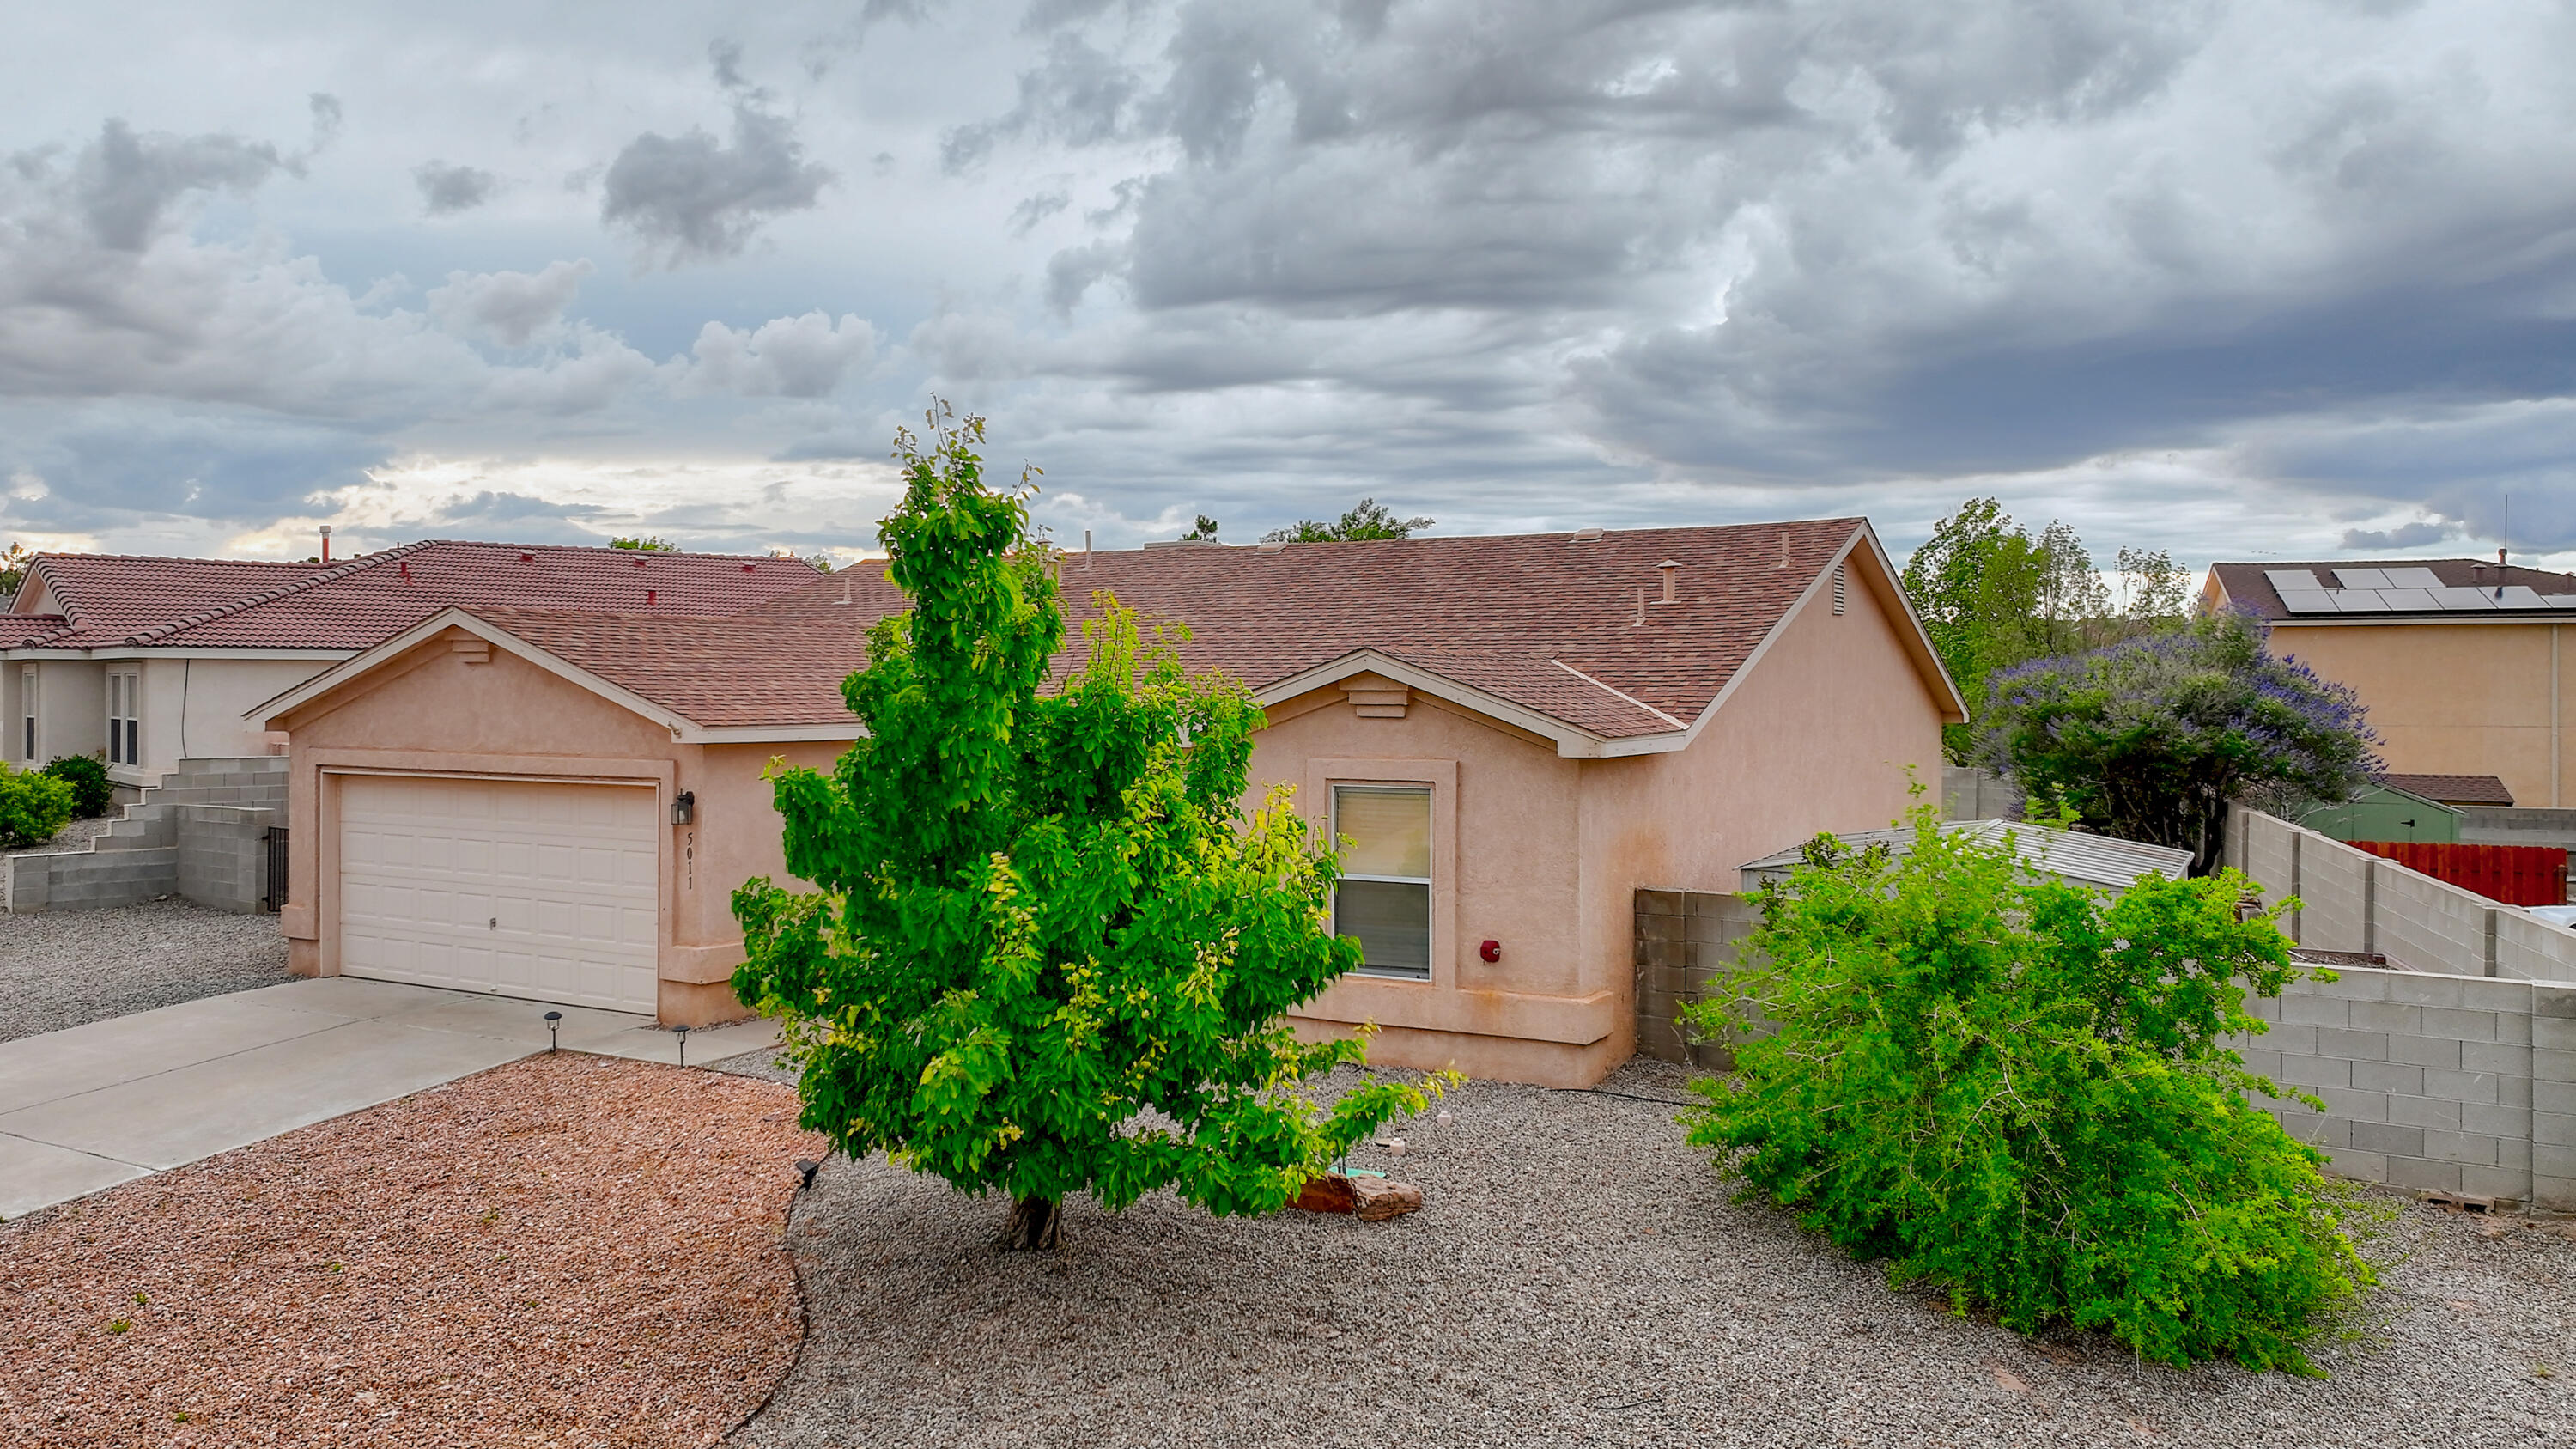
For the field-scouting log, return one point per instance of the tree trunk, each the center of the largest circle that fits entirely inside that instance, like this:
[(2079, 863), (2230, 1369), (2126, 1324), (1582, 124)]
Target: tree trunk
[(1034, 1225)]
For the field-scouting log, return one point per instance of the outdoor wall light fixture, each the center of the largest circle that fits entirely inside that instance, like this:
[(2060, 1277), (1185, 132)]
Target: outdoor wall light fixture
[(684, 807), (1491, 951), (554, 1019)]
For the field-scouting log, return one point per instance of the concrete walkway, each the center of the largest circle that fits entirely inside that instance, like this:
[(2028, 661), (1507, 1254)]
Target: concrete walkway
[(116, 1100)]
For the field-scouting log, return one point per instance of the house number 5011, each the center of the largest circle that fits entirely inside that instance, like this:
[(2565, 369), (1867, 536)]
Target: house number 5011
[(689, 858)]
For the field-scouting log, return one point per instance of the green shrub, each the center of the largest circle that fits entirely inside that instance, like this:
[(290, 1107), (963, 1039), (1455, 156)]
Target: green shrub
[(34, 808), (2017, 1091), (92, 791)]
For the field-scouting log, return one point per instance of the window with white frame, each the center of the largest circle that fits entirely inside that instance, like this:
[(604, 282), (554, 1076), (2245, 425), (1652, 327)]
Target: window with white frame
[(125, 718), (1384, 897)]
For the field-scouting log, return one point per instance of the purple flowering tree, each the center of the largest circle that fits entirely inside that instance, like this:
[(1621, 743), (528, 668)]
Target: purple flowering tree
[(2151, 739)]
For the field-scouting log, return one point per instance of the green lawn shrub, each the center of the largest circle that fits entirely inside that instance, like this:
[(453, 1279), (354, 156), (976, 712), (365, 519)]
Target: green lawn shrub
[(92, 791), (2017, 1091), (34, 808)]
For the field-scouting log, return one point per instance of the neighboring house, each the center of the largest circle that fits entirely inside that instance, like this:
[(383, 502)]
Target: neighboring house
[(1515, 734), (2453, 789), (143, 662), (2463, 664)]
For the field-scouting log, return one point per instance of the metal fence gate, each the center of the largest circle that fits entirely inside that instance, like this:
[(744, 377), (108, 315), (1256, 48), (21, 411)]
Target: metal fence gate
[(273, 895)]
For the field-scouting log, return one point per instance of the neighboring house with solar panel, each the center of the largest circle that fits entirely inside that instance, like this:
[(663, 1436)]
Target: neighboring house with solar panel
[(2464, 664)]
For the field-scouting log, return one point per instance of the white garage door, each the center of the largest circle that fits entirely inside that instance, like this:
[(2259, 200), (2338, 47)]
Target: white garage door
[(515, 888)]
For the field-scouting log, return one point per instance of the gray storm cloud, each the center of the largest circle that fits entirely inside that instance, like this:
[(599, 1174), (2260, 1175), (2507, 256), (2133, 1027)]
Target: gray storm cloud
[(693, 198), (446, 190)]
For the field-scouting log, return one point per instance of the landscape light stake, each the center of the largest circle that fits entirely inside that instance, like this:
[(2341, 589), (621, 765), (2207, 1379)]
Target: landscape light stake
[(554, 1019), (684, 1044)]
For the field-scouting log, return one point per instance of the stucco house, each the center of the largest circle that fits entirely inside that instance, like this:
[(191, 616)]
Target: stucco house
[(144, 662), (150, 663), (2462, 662), (1515, 734)]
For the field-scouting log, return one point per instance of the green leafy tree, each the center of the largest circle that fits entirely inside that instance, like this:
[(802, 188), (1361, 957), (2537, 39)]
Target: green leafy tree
[(34, 807), (647, 544), (15, 560), (2153, 588), (1978, 584), (1203, 531), (1365, 520), (2153, 738), (1044, 912), (2018, 1091), (92, 790)]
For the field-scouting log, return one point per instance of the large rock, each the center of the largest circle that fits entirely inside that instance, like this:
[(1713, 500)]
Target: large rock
[(1330, 1193), (1376, 1199)]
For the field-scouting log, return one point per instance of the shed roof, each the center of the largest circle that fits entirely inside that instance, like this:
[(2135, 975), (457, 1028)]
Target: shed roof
[(2096, 860), (2453, 789)]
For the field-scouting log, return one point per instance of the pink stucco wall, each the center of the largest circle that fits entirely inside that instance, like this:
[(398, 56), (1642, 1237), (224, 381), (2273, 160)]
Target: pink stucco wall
[(429, 711)]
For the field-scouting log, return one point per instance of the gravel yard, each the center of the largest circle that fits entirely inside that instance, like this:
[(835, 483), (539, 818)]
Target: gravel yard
[(568, 1250), (75, 836), (64, 968), (1578, 1276)]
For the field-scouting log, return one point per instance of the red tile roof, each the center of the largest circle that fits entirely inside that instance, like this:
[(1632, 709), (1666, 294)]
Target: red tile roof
[(1549, 622), (105, 597), (25, 628), (2248, 587), (2453, 789), (365, 600)]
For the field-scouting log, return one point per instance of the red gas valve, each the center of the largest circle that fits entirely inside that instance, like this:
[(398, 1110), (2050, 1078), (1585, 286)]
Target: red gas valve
[(1491, 950)]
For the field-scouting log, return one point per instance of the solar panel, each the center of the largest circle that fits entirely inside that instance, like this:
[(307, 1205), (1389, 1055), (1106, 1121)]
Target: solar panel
[(2518, 596), (2308, 601), (2412, 578), (2360, 601), (2559, 601), (2288, 579), (2464, 601), (2362, 578), (2406, 600)]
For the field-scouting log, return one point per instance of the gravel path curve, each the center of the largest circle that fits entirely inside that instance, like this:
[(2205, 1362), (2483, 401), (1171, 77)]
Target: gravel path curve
[(65, 968), (567, 1250), (1578, 1276)]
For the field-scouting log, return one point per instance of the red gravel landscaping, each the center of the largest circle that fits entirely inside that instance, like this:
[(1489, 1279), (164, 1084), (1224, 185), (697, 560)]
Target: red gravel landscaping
[(568, 1250)]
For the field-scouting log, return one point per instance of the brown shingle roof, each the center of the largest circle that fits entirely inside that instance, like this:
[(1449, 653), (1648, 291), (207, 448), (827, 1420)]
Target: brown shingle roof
[(717, 672), (2248, 587), (2453, 789), (365, 600), (1549, 622)]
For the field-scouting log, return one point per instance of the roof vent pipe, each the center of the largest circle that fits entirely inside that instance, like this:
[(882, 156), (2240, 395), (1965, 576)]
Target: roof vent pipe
[(1086, 550), (1784, 550), (1671, 570), (326, 543)]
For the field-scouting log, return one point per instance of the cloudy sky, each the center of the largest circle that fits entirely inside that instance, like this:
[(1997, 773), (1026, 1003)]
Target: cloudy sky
[(2236, 279)]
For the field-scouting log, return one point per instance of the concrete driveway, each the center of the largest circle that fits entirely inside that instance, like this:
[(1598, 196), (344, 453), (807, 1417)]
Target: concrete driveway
[(112, 1101)]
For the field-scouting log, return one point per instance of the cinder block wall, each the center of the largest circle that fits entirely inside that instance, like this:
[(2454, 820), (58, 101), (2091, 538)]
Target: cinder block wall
[(2450, 1083), (223, 854), (2351, 900), (200, 834), (1685, 939), (2432, 1081)]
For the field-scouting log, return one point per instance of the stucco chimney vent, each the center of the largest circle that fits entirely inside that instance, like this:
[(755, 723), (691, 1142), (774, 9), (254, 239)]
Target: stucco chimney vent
[(1672, 579), (1586, 535)]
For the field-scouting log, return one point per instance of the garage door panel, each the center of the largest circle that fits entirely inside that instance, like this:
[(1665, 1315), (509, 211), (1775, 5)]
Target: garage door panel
[(540, 890)]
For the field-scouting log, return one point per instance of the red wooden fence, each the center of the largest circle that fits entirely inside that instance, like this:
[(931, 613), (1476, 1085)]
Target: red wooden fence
[(2516, 875)]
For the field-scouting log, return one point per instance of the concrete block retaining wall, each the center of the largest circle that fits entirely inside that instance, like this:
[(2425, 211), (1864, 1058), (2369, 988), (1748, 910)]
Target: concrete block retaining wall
[(200, 834), (2432, 1081)]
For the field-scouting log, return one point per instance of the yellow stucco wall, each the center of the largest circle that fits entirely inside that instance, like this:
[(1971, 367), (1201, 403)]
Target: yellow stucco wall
[(2458, 699)]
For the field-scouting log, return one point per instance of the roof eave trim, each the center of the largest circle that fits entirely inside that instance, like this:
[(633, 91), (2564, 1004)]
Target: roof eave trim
[(1572, 742)]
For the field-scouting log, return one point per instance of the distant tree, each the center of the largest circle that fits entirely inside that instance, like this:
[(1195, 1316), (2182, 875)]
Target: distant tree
[(1042, 913), (2154, 589), (14, 563), (1204, 531), (820, 560), (2152, 738), (647, 545), (1365, 520)]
